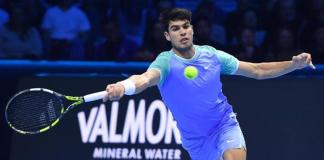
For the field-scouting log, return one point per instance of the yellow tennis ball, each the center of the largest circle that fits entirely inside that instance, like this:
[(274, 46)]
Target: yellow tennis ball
[(190, 72)]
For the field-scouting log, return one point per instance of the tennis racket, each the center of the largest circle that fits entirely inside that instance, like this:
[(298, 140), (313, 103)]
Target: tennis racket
[(36, 110)]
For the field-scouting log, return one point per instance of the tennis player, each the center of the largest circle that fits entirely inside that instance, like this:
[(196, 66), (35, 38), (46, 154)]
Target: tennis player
[(208, 126)]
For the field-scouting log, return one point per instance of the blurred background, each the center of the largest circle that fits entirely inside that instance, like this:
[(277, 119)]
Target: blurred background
[(54, 43), (108, 30)]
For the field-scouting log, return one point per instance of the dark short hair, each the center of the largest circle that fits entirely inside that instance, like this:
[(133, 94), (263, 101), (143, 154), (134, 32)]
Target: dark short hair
[(174, 15)]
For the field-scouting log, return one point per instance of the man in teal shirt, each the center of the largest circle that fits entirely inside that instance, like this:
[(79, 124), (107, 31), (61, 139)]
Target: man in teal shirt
[(208, 126)]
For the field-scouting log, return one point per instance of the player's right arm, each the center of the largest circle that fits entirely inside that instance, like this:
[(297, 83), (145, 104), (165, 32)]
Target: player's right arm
[(132, 85), (154, 75), (274, 69)]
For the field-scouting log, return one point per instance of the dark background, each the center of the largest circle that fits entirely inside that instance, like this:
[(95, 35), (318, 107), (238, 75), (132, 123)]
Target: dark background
[(64, 141), (280, 118)]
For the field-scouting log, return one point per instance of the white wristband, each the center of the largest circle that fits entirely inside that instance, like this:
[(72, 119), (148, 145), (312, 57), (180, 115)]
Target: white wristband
[(129, 86)]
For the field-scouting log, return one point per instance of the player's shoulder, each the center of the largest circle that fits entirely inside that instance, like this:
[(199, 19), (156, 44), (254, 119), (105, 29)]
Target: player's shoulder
[(206, 48), (165, 54), (53, 10)]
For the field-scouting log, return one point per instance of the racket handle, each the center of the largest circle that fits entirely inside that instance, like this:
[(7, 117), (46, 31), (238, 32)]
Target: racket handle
[(94, 96)]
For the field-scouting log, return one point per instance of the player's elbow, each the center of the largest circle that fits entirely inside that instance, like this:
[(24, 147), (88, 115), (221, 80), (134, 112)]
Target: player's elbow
[(258, 73), (253, 70)]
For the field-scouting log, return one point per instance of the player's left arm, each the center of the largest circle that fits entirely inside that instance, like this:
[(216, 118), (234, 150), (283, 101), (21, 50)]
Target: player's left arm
[(274, 69)]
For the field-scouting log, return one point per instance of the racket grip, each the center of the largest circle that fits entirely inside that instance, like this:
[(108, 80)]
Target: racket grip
[(94, 96)]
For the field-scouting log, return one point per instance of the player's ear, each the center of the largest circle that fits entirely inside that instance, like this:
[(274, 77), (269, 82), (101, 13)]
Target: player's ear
[(167, 36)]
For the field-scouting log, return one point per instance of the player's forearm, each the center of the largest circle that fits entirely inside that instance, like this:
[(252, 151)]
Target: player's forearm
[(141, 82), (132, 85), (145, 80), (273, 69)]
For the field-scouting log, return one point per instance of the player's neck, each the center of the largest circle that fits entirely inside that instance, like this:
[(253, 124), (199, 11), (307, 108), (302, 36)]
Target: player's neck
[(185, 53)]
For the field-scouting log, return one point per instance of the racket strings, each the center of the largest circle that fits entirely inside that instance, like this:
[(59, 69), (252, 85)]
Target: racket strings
[(34, 110)]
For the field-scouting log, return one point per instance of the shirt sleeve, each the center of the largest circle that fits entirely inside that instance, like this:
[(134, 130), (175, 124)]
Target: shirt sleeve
[(229, 64), (161, 63), (46, 24), (84, 21)]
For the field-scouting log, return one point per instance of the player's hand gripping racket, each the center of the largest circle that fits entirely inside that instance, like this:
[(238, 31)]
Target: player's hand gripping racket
[(36, 110)]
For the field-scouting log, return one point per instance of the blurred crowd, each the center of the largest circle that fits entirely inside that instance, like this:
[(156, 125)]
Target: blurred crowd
[(129, 30)]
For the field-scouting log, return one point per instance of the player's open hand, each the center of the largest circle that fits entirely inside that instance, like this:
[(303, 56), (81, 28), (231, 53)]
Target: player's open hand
[(114, 92), (302, 60)]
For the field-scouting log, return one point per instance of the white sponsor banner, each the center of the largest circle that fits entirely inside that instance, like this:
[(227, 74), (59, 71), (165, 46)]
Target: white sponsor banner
[(138, 127)]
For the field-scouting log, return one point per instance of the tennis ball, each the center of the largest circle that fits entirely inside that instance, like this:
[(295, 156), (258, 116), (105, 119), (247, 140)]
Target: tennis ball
[(190, 72)]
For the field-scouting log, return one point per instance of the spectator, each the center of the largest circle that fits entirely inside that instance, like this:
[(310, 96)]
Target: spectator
[(18, 38), (3, 17), (97, 11), (249, 13), (215, 17), (114, 45), (269, 4), (65, 31), (207, 8), (133, 14), (46, 4), (155, 7), (284, 14), (314, 18), (318, 45), (311, 9), (248, 18), (247, 49), (154, 42), (284, 45), (35, 11), (232, 22), (203, 33)]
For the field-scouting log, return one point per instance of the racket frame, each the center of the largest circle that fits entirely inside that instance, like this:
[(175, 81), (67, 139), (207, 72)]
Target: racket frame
[(77, 101)]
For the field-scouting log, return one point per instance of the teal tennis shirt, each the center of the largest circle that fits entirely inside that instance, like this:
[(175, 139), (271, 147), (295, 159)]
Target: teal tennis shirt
[(198, 105)]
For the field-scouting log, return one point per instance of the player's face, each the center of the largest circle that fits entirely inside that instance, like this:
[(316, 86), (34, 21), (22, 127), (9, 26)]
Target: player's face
[(180, 34)]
